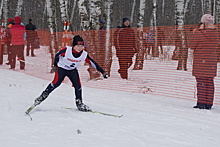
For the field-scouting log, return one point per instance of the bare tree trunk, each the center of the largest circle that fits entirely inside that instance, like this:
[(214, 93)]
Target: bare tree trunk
[(73, 10), (5, 11), (63, 10), (94, 48), (208, 6), (53, 47), (141, 50), (19, 8), (83, 15), (132, 11), (1, 7), (181, 8), (217, 20), (108, 45)]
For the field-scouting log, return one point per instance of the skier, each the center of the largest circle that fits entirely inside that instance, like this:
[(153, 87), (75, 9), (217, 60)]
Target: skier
[(66, 63)]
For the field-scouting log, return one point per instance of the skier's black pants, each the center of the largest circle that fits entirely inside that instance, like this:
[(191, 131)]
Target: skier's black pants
[(60, 74)]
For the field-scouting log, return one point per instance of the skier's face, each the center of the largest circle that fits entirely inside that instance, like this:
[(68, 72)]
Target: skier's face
[(78, 48)]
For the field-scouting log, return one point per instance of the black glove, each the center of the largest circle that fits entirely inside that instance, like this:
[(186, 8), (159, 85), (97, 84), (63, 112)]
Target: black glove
[(105, 75), (54, 68)]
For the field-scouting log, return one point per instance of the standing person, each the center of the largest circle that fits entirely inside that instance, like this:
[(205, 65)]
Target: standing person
[(204, 42), (31, 36), (66, 63), (2, 43), (8, 39), (17, 41), (125, 44), (160, 39)]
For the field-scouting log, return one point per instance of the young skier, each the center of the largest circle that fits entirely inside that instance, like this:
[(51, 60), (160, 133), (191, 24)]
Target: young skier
[(66, 63)]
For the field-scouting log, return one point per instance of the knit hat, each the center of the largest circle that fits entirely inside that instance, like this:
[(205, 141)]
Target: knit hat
[(77, 40), (125, 19), (207, 19), (17, 20), (10, 19)]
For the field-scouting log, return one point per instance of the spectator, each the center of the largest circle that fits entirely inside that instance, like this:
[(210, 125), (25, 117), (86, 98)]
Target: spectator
[(125, 44), (160, 38), (31, 37), (17, 41), (8, 39), (151, 48), (2, 38), (204, 42)]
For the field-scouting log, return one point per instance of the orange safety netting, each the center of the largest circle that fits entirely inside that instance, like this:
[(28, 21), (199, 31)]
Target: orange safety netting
[(162, 65)]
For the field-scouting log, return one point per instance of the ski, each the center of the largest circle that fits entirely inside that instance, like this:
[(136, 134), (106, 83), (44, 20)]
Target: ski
[(29, 109), (98, 112)]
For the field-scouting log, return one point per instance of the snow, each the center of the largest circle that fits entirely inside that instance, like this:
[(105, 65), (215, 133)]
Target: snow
[(148, 119)]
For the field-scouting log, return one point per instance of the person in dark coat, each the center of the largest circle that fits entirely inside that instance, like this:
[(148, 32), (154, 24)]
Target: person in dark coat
[(31, 36), (204, 42), (125, 45)]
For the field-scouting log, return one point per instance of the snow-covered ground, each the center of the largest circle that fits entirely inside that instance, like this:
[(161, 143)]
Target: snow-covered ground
[(148, 120)]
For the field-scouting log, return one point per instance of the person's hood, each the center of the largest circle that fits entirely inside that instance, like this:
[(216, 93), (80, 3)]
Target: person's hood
[(17, 20)]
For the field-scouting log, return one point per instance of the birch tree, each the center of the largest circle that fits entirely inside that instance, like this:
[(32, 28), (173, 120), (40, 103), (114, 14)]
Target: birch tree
[(63, 9), (5, 11), (217, 16), (208, 6), (1, 7), (53, 47), (108, 45), (73, 10), (19, 8), (83, 13), (140, 55), (94, 38), (132, 11), (180, 11)]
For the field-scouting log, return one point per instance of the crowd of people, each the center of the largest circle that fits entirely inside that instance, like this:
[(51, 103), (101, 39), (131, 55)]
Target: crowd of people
[(14, 38), (204, 41)]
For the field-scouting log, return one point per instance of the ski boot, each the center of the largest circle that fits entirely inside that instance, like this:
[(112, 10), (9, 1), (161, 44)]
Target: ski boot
[(81, 106), (41, 98)]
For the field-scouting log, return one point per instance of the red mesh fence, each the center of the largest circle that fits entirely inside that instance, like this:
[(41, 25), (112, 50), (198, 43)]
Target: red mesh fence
[(162, 64)]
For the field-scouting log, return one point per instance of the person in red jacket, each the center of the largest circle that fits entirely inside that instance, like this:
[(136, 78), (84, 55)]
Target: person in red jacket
[(204, 42), (17, 43), (66, 63)]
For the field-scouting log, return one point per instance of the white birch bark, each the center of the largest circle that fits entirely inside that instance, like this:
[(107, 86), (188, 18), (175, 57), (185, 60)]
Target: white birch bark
[(83, 15), (108, 45), (95, 13), (140, 55), (19, 8), (1, 7), (217, 12), (51, 26), (5, 11), (73, 10), (180, 11), (94, 48), (208, 6), (132, 11), (63, 9)]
